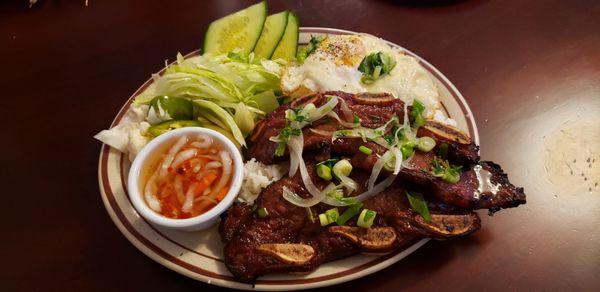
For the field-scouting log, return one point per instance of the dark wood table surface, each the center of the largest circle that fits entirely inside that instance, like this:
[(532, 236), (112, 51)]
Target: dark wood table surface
[(530, 71)]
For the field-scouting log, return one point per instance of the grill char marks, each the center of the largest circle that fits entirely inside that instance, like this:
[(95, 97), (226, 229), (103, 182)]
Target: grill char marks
[(302, 245), (374, 110), (288, 241)]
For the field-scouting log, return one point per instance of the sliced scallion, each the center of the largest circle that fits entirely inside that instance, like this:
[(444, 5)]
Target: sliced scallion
[(332, 214), (352, 211), (324, 171), (366, 150), (324, 220), (342, 168), (425, 144), (418, 204), (366, 218)]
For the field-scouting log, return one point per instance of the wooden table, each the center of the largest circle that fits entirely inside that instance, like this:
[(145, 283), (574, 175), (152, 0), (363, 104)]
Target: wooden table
[(530, 71)]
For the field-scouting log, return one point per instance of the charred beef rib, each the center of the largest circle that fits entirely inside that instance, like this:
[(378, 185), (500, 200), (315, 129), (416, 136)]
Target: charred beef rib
[(482, 185), (287, 240)]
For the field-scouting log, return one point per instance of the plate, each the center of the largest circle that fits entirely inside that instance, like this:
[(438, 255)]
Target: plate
[(199, 255)]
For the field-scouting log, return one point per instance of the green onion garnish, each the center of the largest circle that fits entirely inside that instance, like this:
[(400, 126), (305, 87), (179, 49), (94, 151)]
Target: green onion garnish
[(365, 150), (407, 149), (425, 144), (337, 193), (352, 211), (376, 65), (416, 114), (310, 48), (444, 170), (418, 204), (329, 216), (332, 214), (366, 218), (346, 201), (342, 168), (324, 220), (324, 171), (280, 150), (262, 212)]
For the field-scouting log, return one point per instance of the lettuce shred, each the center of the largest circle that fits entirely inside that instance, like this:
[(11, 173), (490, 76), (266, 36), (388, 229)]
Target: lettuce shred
[(229, 92)]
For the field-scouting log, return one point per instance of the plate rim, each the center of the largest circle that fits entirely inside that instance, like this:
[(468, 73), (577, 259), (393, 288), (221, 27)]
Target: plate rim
[(180, 267)]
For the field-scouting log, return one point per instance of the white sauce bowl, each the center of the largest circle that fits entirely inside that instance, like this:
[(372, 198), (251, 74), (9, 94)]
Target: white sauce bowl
[(202, 221)]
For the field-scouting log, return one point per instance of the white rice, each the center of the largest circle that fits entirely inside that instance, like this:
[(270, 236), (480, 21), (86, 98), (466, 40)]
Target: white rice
[(258, 176)]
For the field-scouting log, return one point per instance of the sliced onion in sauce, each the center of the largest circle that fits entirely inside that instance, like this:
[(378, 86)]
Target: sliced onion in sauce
[(178, 186), (227, 162), (213, 165), (170, 156), (189, 198), (149, 193), (182, 156), (205, 198), (203, 142), (210, 157)]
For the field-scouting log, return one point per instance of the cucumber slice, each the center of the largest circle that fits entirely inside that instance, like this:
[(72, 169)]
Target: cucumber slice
[(236, 32), (271, 35), (286, 49)]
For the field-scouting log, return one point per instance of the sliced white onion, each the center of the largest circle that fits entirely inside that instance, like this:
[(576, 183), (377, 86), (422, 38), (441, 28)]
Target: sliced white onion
[(347, 182), (179, 188), (297, 143), (149, 193), (170, 156), (323, 133), (204, 173), (182, 156), (407, 163), (342, 122), (323, 110), (380, 187), (377, 169), (189, 198), (295, 146), (203, 142), (213, 165), (347, 113), (398, 160), (308, 184), (225, 174)]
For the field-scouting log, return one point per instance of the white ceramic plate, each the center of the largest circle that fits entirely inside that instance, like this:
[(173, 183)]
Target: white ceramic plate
[(200, 255)]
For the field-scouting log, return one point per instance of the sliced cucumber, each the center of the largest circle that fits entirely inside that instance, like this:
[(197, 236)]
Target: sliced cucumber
[(271, 35), (236, 32), (286, 49)]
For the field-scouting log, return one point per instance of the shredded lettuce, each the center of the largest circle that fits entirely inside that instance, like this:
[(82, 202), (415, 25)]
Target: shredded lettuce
[(229, 92)]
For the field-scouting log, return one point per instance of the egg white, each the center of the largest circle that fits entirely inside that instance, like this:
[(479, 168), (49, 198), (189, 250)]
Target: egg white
[(334, 66)]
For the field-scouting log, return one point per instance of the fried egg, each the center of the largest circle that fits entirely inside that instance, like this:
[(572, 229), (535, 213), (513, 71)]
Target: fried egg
[(334, 66)]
